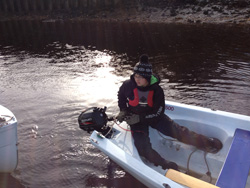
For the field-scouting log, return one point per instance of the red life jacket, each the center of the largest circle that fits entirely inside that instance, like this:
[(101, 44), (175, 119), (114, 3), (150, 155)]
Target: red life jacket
[(142, 99)]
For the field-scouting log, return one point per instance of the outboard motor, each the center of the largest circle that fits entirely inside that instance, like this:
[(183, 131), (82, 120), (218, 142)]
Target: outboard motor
[(94, 119)]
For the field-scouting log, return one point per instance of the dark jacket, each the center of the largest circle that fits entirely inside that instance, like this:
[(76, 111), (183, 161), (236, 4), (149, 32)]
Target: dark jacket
[(151, 115)]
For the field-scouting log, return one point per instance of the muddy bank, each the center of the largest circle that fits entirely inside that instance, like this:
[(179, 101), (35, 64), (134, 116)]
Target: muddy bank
[(191, 14), (175, 11)]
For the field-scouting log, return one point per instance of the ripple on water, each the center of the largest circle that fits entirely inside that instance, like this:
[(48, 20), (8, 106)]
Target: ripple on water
[(47, 82)]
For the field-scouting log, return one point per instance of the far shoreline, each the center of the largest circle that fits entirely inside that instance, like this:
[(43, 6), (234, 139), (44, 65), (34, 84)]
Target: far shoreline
[(188, 15)]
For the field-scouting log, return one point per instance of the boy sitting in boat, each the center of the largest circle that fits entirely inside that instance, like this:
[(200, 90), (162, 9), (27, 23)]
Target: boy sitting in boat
[(142, 104)]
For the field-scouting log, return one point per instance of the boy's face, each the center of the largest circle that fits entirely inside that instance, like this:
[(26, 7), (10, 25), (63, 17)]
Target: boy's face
[(140, 81)]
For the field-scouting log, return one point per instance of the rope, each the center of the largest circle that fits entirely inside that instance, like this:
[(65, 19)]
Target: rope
[(205, 154), (208, 170), (132, 132), (4, 121), (189, 158), (111, 127), (121, 126)]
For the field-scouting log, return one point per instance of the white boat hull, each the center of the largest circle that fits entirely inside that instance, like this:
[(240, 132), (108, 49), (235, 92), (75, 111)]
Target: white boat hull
[(8, 141), (211, 123)]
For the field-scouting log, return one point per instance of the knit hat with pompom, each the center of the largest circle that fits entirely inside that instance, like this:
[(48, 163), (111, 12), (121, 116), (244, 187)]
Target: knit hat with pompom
[(143, 67)]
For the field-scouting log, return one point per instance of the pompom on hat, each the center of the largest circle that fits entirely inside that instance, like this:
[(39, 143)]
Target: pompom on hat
[(143, 67)]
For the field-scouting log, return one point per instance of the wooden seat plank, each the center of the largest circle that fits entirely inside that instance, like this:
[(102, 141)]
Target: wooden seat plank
[(187, 180)]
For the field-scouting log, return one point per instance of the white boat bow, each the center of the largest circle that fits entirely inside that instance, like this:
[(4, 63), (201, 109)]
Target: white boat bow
[(8, 141), (204, 167)]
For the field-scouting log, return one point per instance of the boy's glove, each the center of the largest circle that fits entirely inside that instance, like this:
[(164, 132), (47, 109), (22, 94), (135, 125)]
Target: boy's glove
[(121, 116), (132, 119)]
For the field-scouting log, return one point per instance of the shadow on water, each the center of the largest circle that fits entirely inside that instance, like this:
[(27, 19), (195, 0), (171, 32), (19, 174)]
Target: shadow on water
[(130, 38), (51, 70), (112, 179), (187, 57), (7, 181), (192, 46)]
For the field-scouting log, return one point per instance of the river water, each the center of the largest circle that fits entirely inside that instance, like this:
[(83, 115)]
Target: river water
[(51, 71)]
